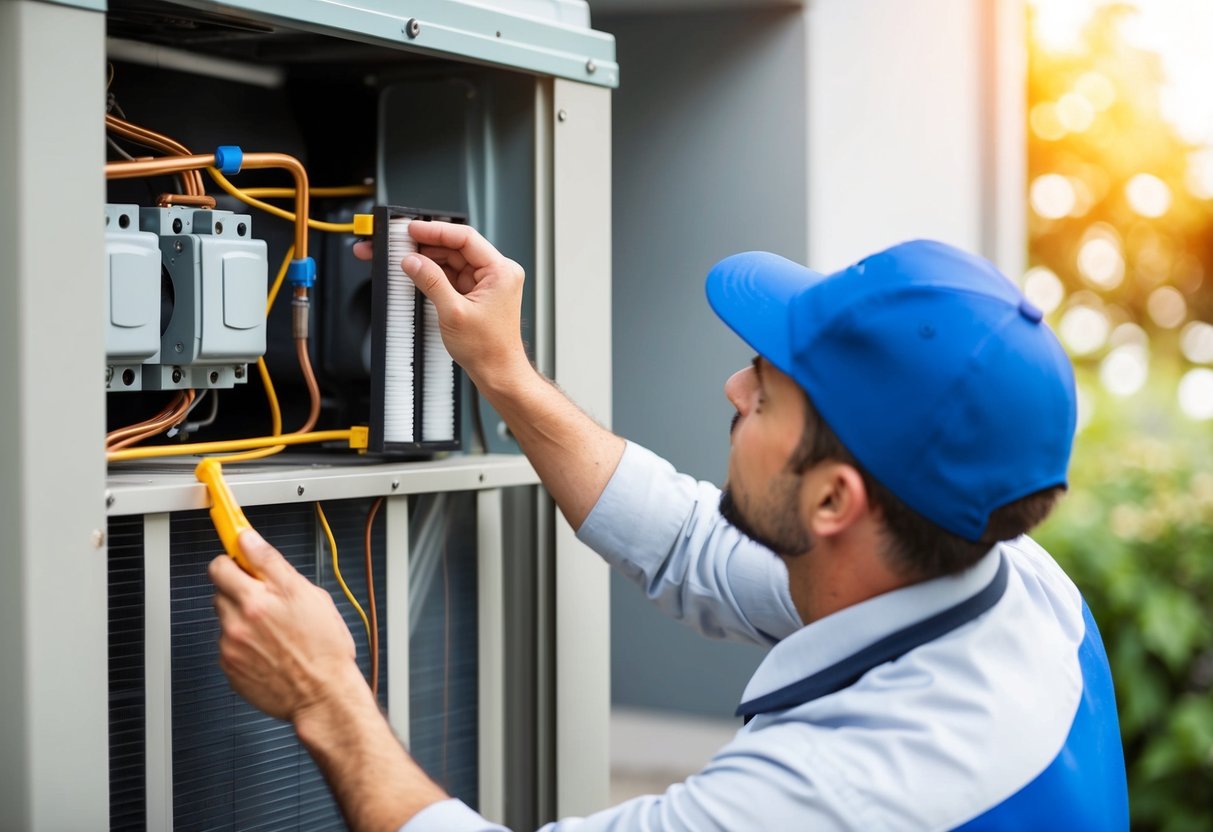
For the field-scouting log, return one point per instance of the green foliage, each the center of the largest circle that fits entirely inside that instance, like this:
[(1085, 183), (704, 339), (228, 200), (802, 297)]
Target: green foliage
[(1136, 534)]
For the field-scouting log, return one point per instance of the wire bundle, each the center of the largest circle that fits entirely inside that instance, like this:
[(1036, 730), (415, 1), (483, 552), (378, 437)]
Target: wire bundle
[(399, 423)]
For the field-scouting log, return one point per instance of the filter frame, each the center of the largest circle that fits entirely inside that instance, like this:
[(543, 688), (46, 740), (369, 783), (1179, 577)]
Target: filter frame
[(377, 441)]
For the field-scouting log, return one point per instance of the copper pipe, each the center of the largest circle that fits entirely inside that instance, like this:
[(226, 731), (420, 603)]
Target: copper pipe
[(153, 167), (196, 161), (313, 389), (157, 141), (122, 433), (165, 200), (296, 169), (174, 418)]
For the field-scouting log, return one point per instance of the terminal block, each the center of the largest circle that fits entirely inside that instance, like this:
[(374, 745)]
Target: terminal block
[(217, 278), (132, 329)]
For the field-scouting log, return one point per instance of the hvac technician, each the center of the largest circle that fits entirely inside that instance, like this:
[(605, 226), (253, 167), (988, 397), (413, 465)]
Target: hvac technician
[(906, 421)]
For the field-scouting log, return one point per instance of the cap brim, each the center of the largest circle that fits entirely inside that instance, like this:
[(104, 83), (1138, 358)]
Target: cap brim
[(752, 293)]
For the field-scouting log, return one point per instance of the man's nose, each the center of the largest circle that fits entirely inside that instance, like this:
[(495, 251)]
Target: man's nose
[(738, 390)]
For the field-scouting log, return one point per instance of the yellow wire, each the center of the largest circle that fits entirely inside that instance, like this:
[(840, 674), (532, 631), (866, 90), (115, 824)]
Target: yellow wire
[(318, 225), (289, 193), (266, 382), (324, 521), (230, 445)]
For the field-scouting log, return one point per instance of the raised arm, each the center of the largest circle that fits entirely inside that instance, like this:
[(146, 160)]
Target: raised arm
[(478, 294)]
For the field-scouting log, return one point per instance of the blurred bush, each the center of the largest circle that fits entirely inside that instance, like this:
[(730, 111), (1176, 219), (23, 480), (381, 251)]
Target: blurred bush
[(1135, 533)]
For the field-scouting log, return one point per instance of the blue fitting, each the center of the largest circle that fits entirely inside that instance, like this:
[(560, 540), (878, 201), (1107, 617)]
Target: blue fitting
[(229, 158), (302, 272)]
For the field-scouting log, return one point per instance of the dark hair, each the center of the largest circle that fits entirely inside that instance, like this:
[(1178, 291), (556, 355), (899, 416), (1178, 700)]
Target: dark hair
[(917, 547)]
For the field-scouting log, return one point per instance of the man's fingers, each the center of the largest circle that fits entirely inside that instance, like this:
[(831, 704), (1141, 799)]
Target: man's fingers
[(463, 238), (265, 560), (229, 578), (433, 282), (364, 250), (444, 257)]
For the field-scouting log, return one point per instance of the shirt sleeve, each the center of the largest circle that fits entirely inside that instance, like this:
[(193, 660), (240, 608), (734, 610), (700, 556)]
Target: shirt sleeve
[(750, 784), (664, 532)]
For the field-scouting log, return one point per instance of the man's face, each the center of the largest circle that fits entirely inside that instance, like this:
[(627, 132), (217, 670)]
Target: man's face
[(762, 495)]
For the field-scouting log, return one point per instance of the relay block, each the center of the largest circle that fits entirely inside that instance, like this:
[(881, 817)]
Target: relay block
[(204, 301), (132, 332)]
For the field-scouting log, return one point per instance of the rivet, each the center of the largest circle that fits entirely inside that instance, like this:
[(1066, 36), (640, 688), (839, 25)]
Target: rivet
[(590, 66), (299, 491), (98, 538), (562, 115), (412, 28), (109, 499), (395, 484)]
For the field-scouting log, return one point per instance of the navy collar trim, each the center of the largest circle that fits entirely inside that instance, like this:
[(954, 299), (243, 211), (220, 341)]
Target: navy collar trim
[(848, 671)]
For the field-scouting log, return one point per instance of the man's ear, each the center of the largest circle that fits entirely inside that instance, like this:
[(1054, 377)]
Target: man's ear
[(834, 498)]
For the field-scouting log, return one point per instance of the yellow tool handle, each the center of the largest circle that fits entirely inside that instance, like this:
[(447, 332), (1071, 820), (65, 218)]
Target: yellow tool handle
[(229, 520)]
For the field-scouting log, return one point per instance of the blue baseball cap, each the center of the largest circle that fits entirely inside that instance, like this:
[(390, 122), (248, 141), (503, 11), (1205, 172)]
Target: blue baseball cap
[(931, 367)]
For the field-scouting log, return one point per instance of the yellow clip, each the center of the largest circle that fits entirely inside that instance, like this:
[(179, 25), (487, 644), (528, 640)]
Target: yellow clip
[(360, 437), (229, 520), (364, 225)]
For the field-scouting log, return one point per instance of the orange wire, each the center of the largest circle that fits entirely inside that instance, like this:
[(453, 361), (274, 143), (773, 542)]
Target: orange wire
[(370, 591)]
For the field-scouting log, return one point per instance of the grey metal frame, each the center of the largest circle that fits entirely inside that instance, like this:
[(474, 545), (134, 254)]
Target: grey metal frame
[(53, 635)]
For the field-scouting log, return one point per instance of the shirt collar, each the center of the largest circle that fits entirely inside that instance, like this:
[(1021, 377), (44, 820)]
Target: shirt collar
[(841, 634)]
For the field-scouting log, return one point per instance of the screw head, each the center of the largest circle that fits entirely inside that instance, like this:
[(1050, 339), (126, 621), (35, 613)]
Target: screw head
[(239, 372), (109, 499), (109, 374), (178, 347), (395, 484), (591, 67), (179, 246), (562, 115), (176, 375), (412, 28), (299, 491), (98, 538)]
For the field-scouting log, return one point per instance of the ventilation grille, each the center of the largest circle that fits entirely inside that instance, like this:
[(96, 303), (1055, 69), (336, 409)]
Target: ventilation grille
[(233, 767), (128, 776)]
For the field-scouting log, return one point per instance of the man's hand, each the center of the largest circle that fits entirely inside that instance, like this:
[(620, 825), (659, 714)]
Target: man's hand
[(285, 647), (286, 650), (477, 292)]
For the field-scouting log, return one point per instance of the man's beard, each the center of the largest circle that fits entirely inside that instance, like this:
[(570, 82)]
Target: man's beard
[(784, 534)]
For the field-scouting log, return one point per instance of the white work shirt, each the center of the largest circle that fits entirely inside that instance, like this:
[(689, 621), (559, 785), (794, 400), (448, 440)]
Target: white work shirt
[(1005, 722)]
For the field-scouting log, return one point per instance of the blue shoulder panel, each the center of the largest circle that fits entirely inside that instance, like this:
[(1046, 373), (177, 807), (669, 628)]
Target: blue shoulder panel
[(1085, 786)]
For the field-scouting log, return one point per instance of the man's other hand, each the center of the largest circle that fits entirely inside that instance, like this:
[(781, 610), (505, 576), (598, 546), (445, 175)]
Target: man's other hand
[(284, 646)]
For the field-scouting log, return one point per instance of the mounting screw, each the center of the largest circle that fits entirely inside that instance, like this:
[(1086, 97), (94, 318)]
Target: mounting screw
[(109, 374), (395, 484), (591, 67), (178, 347), (179, 246), (482, 476), (176, 375), (412, 28), (98, 538), (562, 115), (239, 372), (299, 491), (109, 499)]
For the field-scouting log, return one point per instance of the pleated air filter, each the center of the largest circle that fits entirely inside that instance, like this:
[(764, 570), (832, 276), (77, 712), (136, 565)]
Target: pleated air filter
[(415, 386)]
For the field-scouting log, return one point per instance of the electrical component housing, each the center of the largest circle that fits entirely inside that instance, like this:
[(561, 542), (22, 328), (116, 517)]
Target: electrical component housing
[(217, 277), (132, 328)]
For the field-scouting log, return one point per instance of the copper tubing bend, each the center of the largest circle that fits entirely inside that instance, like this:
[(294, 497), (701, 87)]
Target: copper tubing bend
[(197, 161)]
